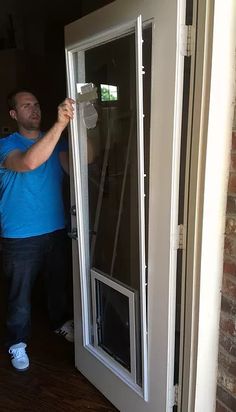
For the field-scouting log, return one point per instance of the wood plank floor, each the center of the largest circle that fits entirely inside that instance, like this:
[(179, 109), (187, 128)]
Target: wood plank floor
[(52, 383)]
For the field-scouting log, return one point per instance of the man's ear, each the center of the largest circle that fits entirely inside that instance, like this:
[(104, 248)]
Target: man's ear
[(13, 114)]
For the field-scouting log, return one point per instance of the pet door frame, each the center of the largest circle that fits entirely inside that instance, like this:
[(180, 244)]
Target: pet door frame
[(131, 295)]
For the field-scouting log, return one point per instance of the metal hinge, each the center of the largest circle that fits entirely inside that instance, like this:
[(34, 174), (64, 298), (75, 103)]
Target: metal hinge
[(73, 234), (181, 237), (187, 40), (73, 210), (178, 238), (174, 396)]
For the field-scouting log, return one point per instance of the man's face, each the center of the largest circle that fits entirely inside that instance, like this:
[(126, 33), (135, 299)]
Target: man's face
[(27, 111)]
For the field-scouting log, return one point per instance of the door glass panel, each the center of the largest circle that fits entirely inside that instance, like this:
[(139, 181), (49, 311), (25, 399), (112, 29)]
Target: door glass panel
[(113, 204), (110, 188)]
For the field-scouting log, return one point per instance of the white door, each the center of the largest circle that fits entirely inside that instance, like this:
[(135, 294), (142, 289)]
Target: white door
[(125, 73)]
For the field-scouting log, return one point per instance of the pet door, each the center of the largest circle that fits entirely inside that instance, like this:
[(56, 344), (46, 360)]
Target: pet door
[(114, 322)]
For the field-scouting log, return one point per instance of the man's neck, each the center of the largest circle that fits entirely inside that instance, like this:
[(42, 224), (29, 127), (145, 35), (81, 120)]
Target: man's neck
[(29, 134)]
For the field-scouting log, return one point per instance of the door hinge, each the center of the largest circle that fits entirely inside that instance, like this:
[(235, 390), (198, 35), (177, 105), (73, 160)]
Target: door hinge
[(178, 238), (181, 231), (73, 234), (73, 210), (187, 40), (174, 396)]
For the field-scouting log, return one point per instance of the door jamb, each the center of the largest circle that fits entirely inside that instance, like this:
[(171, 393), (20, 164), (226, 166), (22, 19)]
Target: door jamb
[(205, 226)]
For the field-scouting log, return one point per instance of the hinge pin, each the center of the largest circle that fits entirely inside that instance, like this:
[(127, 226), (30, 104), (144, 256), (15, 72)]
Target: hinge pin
[(187, 40)]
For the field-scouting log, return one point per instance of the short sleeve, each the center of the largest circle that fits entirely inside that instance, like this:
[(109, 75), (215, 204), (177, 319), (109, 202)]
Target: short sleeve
[(7, 145)]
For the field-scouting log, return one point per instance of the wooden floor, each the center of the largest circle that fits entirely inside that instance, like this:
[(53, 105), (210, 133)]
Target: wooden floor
[(52, 383)]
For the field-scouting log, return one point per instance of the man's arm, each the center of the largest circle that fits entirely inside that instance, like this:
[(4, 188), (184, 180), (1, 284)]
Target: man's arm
[(38, 153)]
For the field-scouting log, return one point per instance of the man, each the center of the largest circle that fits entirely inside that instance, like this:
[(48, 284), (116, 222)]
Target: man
[(32, 219)]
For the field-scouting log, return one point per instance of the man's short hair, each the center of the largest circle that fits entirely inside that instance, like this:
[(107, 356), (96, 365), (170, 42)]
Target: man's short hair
[(11, 98)]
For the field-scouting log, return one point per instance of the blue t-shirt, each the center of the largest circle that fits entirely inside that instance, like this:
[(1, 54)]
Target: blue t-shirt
[(31, 203)]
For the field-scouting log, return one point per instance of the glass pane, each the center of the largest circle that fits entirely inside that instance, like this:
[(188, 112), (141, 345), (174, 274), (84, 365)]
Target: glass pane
[(114, 237), (109, 176), (112, 190)]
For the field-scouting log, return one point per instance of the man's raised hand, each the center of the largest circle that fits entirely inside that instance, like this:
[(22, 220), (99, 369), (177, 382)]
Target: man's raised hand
[(65, 112)]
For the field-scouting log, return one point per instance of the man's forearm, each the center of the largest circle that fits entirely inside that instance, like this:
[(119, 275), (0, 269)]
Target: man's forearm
[(42, 149), (37, 154)]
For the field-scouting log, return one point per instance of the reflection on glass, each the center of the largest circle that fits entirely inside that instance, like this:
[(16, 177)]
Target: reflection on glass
[(108, 93)]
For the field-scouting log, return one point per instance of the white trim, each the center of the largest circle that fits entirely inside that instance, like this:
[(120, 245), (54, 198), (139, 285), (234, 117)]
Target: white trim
[(104, 37), (140, 148), (78, 201), (218, 131)]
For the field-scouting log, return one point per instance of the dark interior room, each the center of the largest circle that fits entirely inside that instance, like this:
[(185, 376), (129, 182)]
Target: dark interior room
[(32, 56)]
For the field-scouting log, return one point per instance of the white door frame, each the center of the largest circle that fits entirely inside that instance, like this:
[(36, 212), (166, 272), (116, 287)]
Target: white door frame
[(164, 166), (210, 135), (210, 130)]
